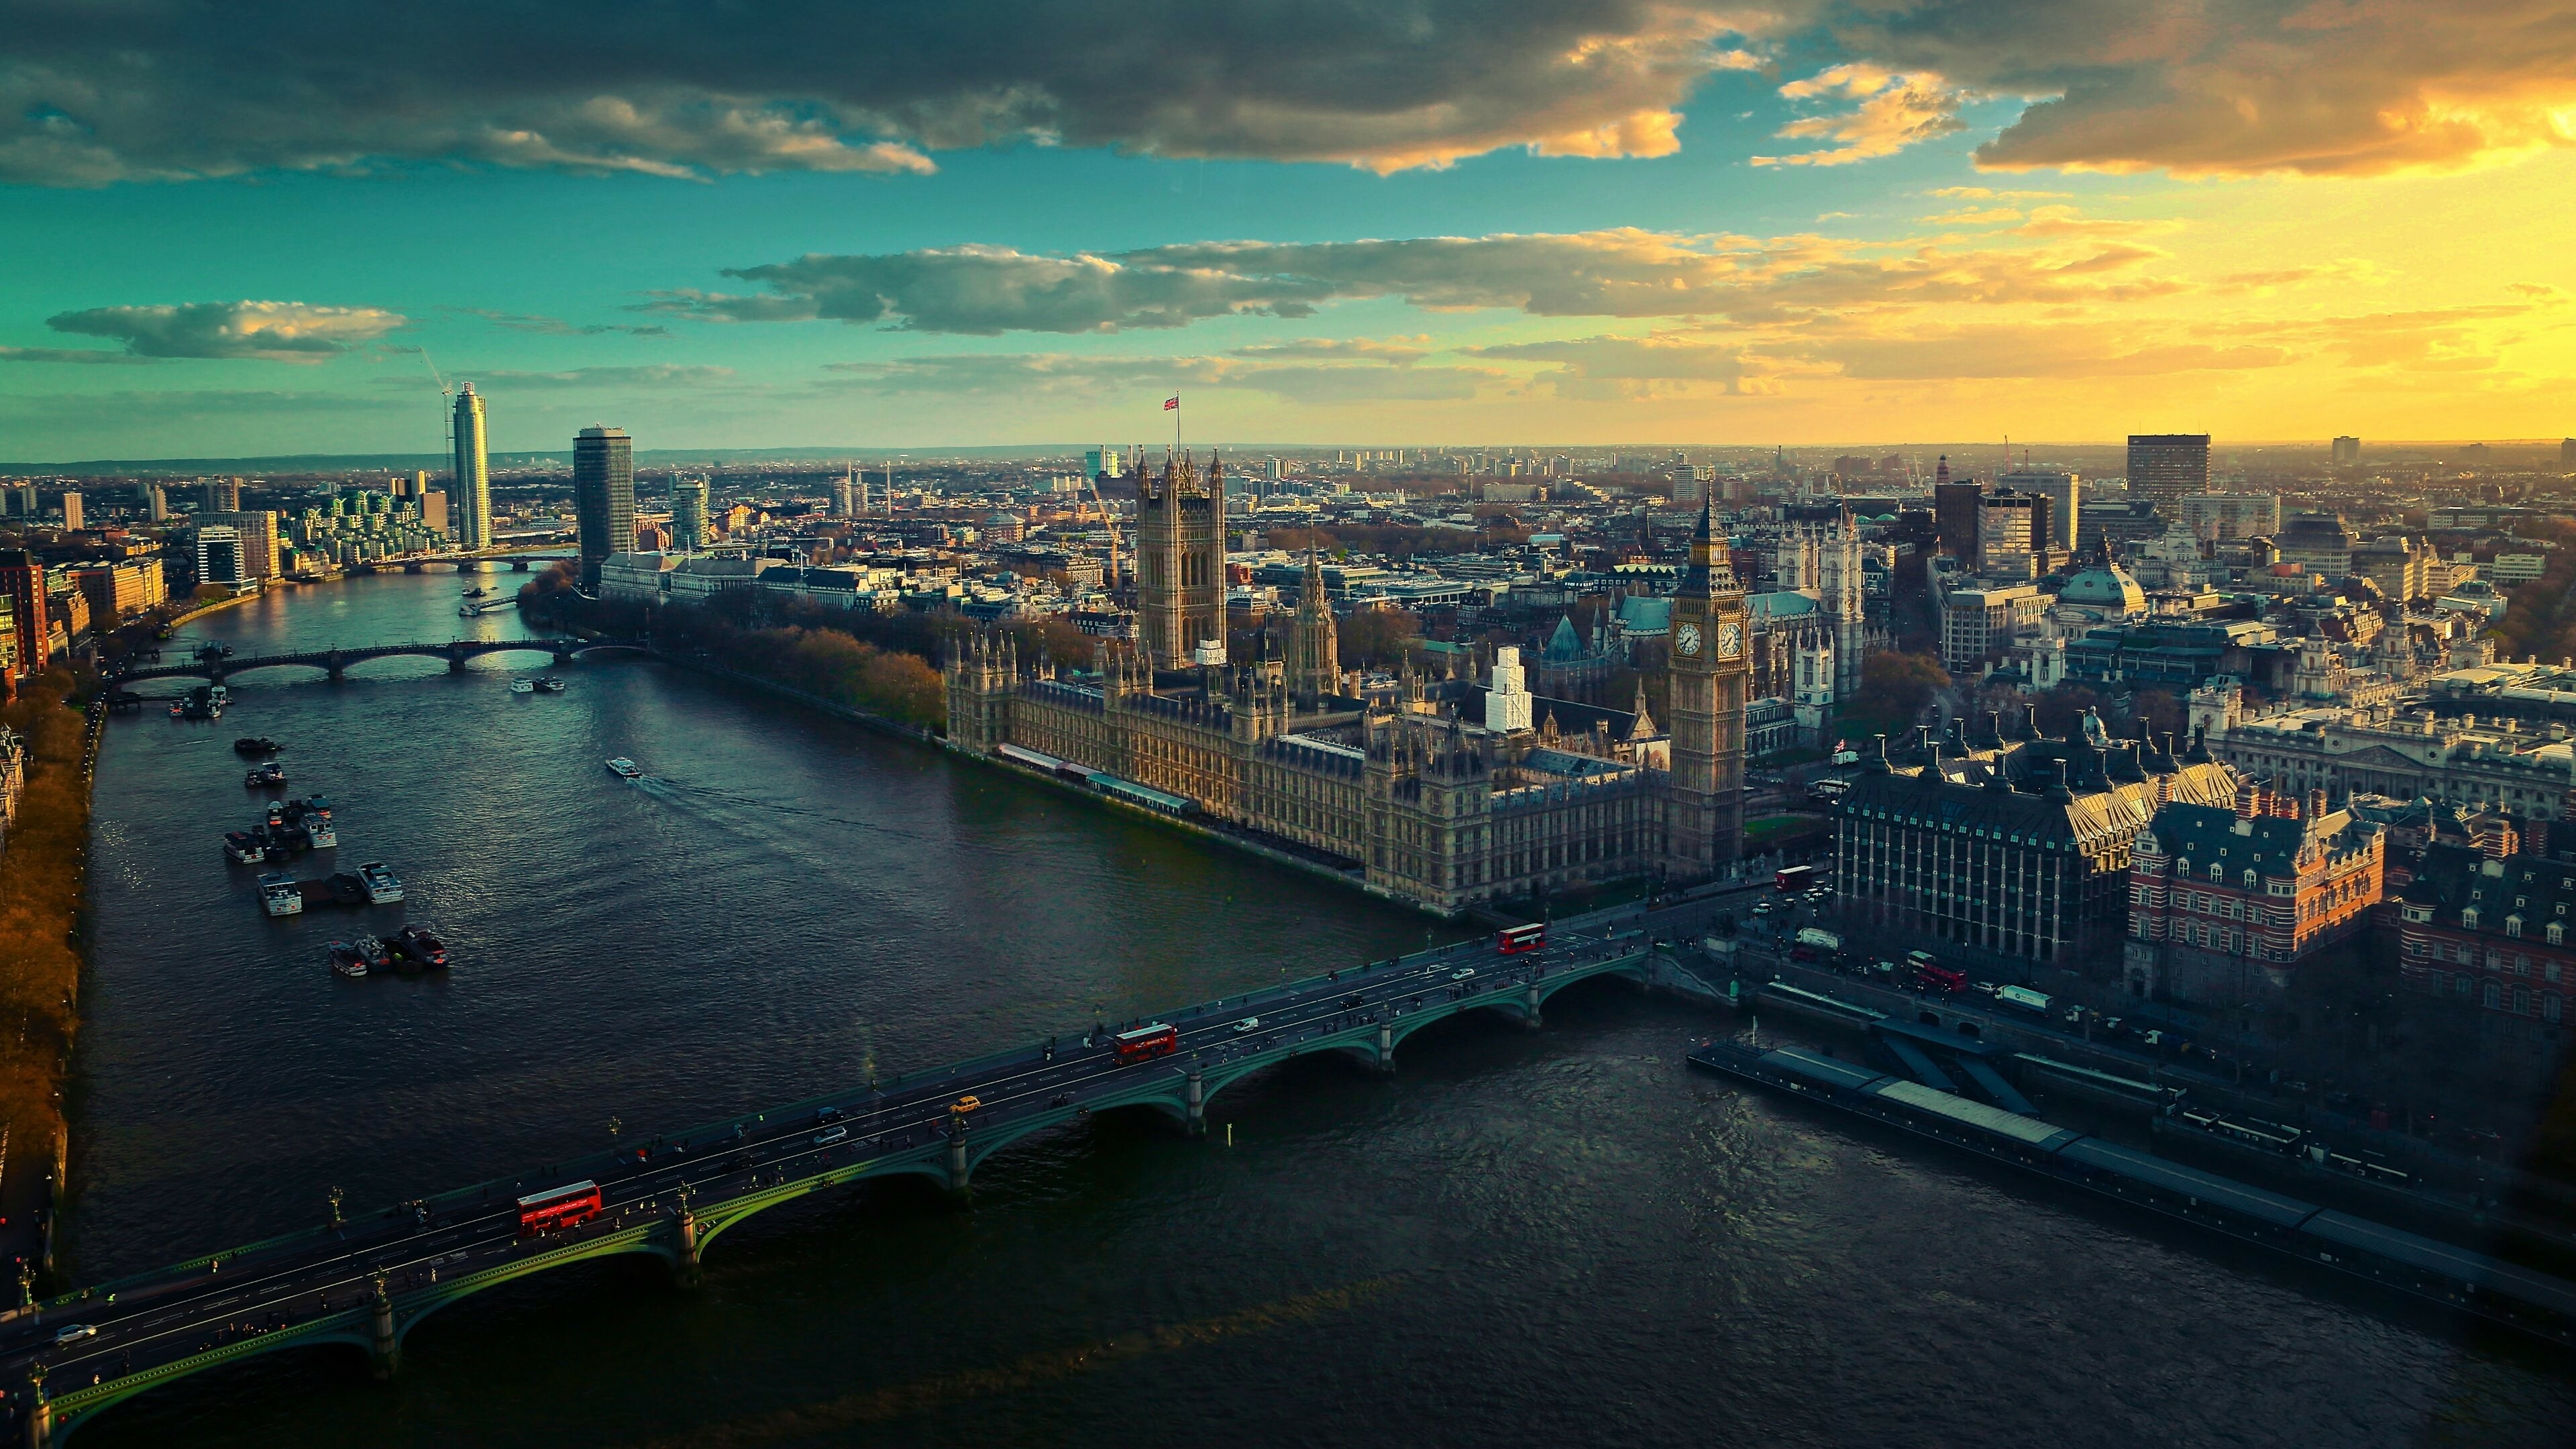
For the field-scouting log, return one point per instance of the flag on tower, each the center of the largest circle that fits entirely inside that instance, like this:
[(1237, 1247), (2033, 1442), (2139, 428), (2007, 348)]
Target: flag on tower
[(1171, 403)]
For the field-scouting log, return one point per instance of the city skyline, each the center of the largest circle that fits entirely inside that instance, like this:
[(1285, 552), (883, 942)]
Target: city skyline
[(1634, 225)]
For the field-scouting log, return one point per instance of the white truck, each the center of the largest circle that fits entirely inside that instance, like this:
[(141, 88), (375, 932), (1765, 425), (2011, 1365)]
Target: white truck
[(2022, 998), (1818, 939)]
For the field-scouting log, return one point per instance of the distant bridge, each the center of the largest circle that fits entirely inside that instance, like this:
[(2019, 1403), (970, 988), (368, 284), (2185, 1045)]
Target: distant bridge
[(369, 1282), (335, 662)]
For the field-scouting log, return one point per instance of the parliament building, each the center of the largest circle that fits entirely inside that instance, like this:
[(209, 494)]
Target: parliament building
[(1461, 791)]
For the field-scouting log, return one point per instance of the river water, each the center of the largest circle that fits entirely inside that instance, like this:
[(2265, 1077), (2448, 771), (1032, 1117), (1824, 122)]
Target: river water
[(1524, 1238)]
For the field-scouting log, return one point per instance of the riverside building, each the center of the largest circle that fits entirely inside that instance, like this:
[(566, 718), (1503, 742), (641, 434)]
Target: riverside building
[(2225, 901), (1410, 796), (2016, 848)]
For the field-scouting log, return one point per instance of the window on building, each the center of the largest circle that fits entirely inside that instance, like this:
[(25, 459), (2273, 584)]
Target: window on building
[(2549, 1006), (2217, 871), (2249, 880), (2469, 918), (2513, 926), (2494, 996), (2557, 933), (2460, 986)]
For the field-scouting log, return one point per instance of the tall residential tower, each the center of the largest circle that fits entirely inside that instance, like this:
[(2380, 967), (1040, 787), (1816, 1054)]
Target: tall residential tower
[(471, 495), (603, 497)]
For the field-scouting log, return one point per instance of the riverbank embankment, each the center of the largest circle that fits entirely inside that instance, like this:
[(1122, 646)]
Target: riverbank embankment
[(43, 882)]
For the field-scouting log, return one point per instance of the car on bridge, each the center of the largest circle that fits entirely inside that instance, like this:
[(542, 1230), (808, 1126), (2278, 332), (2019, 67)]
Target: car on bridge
[(965, 1104), (830, 1135), (74, 1334), (1462, 973), (1248, 1024)]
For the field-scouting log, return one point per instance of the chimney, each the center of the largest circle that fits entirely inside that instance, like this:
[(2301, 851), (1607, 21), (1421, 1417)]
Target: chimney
[(2249, 799), (2316, 804)]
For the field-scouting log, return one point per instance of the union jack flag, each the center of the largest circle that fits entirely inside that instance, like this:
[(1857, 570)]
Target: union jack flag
[(1171, 403)]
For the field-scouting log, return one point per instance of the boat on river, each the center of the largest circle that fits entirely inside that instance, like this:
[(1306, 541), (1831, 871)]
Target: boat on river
[(382, 888), (548, 684), (271, 773), (625, 769), (523, 686), (259, 745), (417, 946), (279, 895), (244, 847)]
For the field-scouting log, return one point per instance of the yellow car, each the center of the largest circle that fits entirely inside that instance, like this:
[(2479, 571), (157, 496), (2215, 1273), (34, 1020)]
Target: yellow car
[(964, 1105)]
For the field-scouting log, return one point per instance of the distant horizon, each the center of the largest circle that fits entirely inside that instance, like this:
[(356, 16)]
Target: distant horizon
[(659, 457)]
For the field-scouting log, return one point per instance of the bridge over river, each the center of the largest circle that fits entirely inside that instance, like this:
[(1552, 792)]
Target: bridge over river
[(336, 662), (369, 1281)]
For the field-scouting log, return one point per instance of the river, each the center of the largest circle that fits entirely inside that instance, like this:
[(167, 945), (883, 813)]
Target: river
[(1524, 1238)]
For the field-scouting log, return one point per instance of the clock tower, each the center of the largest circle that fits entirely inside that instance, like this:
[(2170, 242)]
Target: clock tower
[(1711, 666)]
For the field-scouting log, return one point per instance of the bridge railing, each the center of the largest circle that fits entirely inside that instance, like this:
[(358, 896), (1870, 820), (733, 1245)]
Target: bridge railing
[(607, 1163)]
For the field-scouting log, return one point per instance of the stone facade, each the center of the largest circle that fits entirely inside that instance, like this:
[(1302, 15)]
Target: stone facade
[(1180, 561), (1431, 809)]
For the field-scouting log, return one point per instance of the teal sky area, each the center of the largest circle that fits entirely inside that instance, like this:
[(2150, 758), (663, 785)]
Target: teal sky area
[(173, 295)]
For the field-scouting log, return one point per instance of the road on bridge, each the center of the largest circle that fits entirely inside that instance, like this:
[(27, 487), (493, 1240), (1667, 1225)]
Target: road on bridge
[(326, 1281)]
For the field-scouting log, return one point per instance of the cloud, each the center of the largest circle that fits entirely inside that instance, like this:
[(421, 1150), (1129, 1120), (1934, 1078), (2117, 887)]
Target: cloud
[(69, 354), (2242, 87), (1624, 273), (556, 326), (1893, 112), (660, 374), (2359, 270), (1662, 365), (275, 331), (1988, 193), (1400, 351), (2066, 221), (1040, 375), (155, 89), (1975, 216), (2022, 351)]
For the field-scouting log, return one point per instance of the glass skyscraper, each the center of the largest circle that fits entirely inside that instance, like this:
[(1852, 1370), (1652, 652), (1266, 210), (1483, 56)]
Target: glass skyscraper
[(471, 497)]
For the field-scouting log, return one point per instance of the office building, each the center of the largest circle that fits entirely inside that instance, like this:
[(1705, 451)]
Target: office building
[(22, 582), (219, 555), (2347, 451), (2226, 900), (2167, 466), (2018, 849), (2012, 529), (2318, 543), (22, 501), (1954, 515), (2567, 455), (470, 494), (603, 495), (2065, 495), (1096, 463), (1978, 624), (255, 542), (433, 512), (688, 514), (219, 495), (156, 502), (72, 511)]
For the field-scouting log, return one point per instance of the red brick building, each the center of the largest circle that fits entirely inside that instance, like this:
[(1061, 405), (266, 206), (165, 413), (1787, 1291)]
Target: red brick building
[(2490, 934), (2224, 903)]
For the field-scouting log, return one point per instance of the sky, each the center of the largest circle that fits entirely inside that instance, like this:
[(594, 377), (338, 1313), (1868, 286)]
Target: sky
[(1407, 223)]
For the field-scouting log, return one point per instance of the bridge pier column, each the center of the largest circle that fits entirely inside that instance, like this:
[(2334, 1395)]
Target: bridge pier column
[(1386, 1047), (1529, 1008), (455, 661), (388, 1349), (1197, 1100), (333, 663), (685, 1271), (958, 1170)]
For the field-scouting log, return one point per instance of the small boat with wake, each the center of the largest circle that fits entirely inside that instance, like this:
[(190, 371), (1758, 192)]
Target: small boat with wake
[(548, 684), (256, 745), (523, 686), (271, 773), (625, 769)]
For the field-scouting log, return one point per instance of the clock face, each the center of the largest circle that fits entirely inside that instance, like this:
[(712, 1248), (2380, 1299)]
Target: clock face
[(1686, 639), (1730, 640)]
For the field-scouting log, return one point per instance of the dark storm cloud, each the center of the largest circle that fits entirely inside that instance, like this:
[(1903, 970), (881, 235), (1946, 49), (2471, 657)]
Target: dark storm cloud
[(163, 89)]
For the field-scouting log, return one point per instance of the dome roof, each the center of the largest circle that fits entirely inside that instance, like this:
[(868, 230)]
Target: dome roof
[(2106, 588)]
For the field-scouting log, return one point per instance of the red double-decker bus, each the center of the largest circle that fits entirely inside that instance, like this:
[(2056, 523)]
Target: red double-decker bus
[(559, 1207), (1511, 940), (1151, 1040)]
